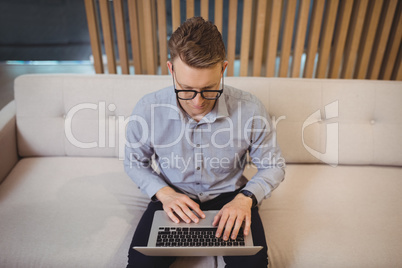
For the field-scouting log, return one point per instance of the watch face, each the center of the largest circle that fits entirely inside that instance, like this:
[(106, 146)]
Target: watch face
[(247, 193)]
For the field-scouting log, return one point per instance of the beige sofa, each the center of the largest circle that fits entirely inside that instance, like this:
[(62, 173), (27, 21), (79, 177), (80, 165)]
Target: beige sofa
[(65, 200)]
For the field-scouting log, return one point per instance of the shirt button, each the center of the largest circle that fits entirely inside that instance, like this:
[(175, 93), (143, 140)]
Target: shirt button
[(198, 168), (201, 194), (198, 145)]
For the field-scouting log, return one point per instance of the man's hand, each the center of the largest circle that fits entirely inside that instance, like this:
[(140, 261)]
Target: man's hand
[(232, 215), (175, 203)]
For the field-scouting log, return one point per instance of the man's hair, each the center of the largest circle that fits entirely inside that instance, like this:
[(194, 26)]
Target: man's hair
[(198, 43)]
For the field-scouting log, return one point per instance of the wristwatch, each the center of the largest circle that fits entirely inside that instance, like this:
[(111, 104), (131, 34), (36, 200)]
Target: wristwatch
[(251, 195)]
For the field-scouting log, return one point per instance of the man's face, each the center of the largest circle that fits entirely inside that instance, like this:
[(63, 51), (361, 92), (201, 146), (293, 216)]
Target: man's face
[(188, 78)]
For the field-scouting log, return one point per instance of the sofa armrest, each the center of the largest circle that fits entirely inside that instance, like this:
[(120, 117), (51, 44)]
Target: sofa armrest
[(8, 140)]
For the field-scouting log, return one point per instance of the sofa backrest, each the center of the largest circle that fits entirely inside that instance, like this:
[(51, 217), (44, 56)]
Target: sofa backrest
[(317, 120)]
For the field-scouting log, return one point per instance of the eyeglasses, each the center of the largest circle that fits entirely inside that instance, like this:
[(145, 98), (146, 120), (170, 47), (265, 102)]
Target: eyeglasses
[(191, 94)]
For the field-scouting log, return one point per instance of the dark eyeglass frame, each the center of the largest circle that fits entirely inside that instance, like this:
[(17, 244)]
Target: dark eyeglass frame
[(177, 91)]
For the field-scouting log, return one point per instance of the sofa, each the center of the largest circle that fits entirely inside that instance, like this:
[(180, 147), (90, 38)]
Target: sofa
[(65, 200)]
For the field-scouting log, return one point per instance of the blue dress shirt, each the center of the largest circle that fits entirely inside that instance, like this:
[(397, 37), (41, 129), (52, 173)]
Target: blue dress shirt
[(165, 147)]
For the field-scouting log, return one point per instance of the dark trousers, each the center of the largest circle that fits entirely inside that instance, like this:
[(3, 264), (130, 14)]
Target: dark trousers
[(137, 259)]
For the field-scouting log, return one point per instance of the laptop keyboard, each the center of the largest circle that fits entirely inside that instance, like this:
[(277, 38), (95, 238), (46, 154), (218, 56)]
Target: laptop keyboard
[(195, 237)]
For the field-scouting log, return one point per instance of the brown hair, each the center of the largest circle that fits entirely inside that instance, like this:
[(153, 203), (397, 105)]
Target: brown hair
[(198, 43)]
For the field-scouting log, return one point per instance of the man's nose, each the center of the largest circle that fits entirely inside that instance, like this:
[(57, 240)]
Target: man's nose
[(198, 100)]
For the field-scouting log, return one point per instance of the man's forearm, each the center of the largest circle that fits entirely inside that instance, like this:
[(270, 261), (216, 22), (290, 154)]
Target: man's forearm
[(164, 192)]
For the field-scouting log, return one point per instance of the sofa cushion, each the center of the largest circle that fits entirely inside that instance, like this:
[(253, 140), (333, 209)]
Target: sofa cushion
[(58, 211), (348, 216), (334, 121)]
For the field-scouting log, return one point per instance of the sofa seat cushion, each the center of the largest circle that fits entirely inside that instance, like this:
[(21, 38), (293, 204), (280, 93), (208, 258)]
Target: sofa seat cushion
[(58, 211), (347, 216)]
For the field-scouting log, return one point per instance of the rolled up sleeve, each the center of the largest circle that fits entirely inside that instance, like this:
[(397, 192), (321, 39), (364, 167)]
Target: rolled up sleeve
[(265, 155), (139, 153)]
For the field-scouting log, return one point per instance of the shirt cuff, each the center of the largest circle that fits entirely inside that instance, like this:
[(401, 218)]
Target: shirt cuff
[(258, 191)]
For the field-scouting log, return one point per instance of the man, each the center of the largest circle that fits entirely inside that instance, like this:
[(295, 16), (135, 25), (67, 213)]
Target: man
[(199, 133)]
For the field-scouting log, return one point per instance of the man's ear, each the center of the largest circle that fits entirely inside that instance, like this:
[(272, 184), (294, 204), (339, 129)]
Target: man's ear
[(170, 66), (224, 66)]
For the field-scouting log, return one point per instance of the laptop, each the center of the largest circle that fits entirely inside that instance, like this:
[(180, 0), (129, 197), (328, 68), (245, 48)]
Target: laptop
[(168, 238)]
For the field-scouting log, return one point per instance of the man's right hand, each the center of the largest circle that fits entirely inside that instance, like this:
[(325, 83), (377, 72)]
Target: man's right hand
[(177, 204)]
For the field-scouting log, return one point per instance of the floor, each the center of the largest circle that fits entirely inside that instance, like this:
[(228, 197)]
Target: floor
[(9, 71)]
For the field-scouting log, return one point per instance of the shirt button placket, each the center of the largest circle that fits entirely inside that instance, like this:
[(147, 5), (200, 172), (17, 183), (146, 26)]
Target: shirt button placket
[(199, 160)]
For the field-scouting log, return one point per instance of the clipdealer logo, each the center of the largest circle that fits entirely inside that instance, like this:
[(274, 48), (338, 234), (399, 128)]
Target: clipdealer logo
[(111, 130), (331, 154)]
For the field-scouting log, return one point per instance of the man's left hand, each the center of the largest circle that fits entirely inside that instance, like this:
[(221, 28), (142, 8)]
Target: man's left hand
[(232, 215)]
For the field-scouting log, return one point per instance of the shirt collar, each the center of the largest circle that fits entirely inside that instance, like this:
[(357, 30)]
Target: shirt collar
[(219, 111)]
